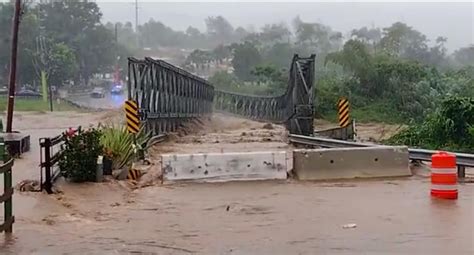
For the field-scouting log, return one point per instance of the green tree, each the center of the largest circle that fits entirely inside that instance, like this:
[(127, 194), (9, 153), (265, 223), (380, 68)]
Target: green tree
[(275, 33), (370, 37), (464, 56), (221, 52), (29, 28), (240, 33), (270, 75), (450, 127), (246, 57), (77, 24), (316, 38), (280, 54), (154, 34), (355, 58), (223, 80), (57, 60), (126, 36), (403, 41), (63, 64), (437, 54), (219, 29)]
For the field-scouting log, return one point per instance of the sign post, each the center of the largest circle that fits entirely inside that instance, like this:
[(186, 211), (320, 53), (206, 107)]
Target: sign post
[(343, 110), (133, 119)]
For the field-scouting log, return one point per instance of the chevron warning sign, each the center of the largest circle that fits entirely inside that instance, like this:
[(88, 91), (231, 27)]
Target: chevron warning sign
[(133, 120), (343, 109), (134, 174)]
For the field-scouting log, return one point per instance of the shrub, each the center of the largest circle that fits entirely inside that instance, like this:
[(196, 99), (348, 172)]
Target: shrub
[(451, 127), (119, 145), (79, 159)]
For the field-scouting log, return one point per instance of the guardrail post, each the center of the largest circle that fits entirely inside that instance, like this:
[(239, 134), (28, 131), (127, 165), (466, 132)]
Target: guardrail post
[(461, 172)]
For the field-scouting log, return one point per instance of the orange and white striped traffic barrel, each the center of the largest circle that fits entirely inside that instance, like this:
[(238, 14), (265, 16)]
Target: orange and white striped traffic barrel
[(444, 177)]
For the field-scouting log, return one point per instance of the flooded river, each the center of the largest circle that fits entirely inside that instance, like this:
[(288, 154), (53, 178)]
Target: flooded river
[(395, 216)]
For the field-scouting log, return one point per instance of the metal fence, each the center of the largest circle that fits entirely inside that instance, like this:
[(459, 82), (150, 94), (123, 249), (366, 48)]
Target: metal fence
[(294, 108), (51, 150), (7, 197), (167, 96)]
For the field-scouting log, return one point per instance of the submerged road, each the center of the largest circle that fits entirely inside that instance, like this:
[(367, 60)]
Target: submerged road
[(391, 217)]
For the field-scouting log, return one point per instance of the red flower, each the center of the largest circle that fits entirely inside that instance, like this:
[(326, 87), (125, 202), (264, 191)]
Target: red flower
[(70, 132)]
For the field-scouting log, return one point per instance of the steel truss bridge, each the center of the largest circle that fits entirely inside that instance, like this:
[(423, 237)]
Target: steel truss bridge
[(169, 96)]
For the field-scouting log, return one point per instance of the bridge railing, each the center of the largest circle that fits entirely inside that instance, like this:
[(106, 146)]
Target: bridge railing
[(167, 96), (253, 107), (293, 108)]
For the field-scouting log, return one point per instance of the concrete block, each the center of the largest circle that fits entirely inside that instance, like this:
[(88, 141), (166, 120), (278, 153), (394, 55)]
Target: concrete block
[(346, 163), (218, 167)]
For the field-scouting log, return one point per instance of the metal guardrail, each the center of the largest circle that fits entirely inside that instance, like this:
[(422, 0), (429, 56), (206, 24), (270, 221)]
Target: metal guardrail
[(462, 159), (325, 142), (340, 133)]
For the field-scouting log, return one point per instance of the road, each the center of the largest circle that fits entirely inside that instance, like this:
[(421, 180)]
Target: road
[(395, 216), (108, 102)]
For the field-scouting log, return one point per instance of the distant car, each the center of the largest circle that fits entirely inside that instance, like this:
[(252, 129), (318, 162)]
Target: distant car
[(3, 90), (28, 93), (98, 93), (117, 89)]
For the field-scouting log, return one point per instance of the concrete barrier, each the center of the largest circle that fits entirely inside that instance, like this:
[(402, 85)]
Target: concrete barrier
[(345, 163), (218, 167)]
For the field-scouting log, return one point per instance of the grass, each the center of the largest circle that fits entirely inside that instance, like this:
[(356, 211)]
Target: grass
[(39, 105), (367, 114)]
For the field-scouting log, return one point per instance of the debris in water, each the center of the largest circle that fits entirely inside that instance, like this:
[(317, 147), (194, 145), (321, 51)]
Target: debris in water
[(268, 126), (350, 225), (28, 186)]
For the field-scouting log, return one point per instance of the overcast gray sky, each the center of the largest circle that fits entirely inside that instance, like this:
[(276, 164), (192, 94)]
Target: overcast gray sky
[(453, 20)]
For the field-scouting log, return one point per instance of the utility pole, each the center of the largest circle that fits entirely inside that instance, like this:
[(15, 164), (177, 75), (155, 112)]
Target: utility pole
[(13, 65), (116, 34), (136, 23)]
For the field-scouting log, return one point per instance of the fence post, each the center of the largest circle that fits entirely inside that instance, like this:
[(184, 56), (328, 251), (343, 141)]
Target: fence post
[(7, 189), (47, 165)]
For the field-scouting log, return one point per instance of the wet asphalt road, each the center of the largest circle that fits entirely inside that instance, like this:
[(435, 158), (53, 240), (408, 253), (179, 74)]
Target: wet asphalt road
[(108, 102)]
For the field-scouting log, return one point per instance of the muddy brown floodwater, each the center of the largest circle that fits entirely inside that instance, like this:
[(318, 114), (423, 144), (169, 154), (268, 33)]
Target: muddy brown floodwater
[(395, 216)]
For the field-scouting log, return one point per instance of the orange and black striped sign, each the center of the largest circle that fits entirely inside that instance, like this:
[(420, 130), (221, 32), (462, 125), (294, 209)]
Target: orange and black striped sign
[(134, 174), (133, 120), (343, 108)]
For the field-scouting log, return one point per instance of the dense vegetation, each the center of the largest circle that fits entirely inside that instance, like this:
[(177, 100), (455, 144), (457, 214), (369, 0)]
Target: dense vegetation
[(115, 143), (389, 74), (78, 161), (64, 38), (450, 127), (392, 74)]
